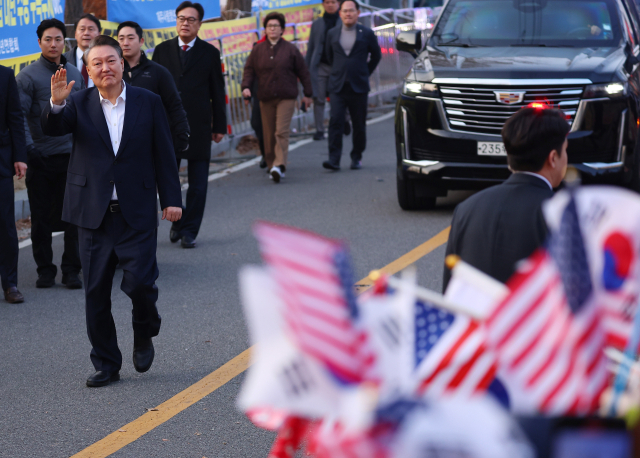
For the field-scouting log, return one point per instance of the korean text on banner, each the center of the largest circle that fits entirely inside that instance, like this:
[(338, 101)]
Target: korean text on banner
[(153, 14), (278, 4), (19, 20), (208, 32)]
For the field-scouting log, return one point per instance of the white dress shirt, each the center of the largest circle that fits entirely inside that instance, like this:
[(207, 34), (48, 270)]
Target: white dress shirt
[(539, 176), (114, 116), (190, 44), (79, 55)]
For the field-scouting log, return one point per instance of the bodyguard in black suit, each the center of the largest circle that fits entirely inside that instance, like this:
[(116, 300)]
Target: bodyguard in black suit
[(495, 228), (114, 171), (354, 54), (197, 71), (13, 158)]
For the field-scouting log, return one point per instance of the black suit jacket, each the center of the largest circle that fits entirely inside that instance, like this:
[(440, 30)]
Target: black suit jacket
[(356, 68), (201, 87), (12, 141), (145, 159), (157, 79), (497, 227), (71, 57)]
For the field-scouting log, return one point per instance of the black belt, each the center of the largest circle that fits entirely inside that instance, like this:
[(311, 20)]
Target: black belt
[(114, 206)]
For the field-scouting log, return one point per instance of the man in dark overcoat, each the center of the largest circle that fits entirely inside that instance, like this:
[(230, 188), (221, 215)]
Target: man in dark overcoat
[(197, 71)]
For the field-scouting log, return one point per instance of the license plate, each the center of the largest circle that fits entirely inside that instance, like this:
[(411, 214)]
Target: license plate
[(491, 149)]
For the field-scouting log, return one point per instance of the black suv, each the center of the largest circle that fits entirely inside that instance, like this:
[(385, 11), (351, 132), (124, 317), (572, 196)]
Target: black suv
[(486, 59)]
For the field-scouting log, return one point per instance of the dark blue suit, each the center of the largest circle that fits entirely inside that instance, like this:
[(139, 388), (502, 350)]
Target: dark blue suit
[(349, 88), (12, 149), (145, 160)]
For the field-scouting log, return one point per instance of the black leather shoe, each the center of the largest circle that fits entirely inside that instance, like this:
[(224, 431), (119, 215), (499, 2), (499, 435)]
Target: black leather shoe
[(188, 242), (13, 296), (263, 163), (45, 281), (143, 354), (103, 378), (330, 166), (174, 236), (72, 281), (318, 136), (356, 165)]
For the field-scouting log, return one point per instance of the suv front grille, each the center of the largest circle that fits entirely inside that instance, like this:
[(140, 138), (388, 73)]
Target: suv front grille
[(477, 110)]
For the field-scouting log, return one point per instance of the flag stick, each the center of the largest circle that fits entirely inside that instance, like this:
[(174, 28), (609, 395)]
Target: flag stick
[(432, 297), (622, 376)]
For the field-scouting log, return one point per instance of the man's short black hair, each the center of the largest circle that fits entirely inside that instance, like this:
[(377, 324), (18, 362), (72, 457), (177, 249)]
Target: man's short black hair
[(187, 4), (342, 2), (274, 15), (531, 134), (49, 24), (134, 25), (92, 18), (102, 40)]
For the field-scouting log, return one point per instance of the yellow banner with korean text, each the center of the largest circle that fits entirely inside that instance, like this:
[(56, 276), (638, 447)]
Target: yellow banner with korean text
[(18, 63), (210, 31), (237, 36)]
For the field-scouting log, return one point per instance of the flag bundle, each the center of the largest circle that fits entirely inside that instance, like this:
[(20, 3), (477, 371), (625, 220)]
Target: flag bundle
[(349, 376)]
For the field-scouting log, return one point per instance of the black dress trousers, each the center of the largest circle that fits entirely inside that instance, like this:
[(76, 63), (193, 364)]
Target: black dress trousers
[(101, 249), (8, 235), (46, 181), (192, 214), (357, 104)]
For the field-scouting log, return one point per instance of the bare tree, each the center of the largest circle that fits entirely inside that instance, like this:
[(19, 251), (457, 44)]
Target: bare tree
[(234, 7)]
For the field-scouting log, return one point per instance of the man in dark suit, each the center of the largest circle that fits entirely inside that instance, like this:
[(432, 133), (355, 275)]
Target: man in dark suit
[(114, 171), (318, 62), (497, 227), (87, 28), (197, 71), (354, 53), (13, 158)]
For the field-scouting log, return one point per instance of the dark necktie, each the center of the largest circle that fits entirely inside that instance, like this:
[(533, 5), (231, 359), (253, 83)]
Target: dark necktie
[(184, 55), (85, 75)]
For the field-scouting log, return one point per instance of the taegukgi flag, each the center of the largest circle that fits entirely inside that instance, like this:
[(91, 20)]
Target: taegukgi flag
[(609, 219)]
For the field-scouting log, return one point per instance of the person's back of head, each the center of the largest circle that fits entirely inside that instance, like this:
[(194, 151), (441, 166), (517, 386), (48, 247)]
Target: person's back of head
[(535, 140)]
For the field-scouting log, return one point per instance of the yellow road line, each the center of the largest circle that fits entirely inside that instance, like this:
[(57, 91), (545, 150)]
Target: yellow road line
[(186, 398), (407, 259)]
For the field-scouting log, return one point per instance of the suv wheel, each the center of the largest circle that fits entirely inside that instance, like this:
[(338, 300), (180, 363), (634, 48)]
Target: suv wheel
[(410, 198)]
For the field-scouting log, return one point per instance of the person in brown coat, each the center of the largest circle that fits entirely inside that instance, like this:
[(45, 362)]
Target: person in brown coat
[(277, 64)]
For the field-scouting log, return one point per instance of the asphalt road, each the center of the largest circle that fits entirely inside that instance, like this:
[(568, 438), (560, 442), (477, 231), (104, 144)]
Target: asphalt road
[(47, 411)]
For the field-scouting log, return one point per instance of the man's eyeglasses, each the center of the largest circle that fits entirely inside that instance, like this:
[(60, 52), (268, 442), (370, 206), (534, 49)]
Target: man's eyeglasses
[(272, 26), (190, 20)]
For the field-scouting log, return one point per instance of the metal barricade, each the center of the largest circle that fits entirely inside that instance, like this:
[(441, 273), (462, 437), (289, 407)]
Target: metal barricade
[(385, 81)]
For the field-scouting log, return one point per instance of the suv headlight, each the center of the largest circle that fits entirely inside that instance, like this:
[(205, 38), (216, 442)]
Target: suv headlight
[(611, 90), (418, 88)]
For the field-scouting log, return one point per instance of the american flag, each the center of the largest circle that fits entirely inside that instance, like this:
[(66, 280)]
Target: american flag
[(315, 283), (548, 332), (451, 356)]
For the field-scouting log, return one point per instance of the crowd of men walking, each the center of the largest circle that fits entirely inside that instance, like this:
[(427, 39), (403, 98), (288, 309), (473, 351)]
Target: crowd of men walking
[(100, 131)]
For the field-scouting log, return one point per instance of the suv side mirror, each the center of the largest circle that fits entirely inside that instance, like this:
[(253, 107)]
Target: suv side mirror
[(410, 42)]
